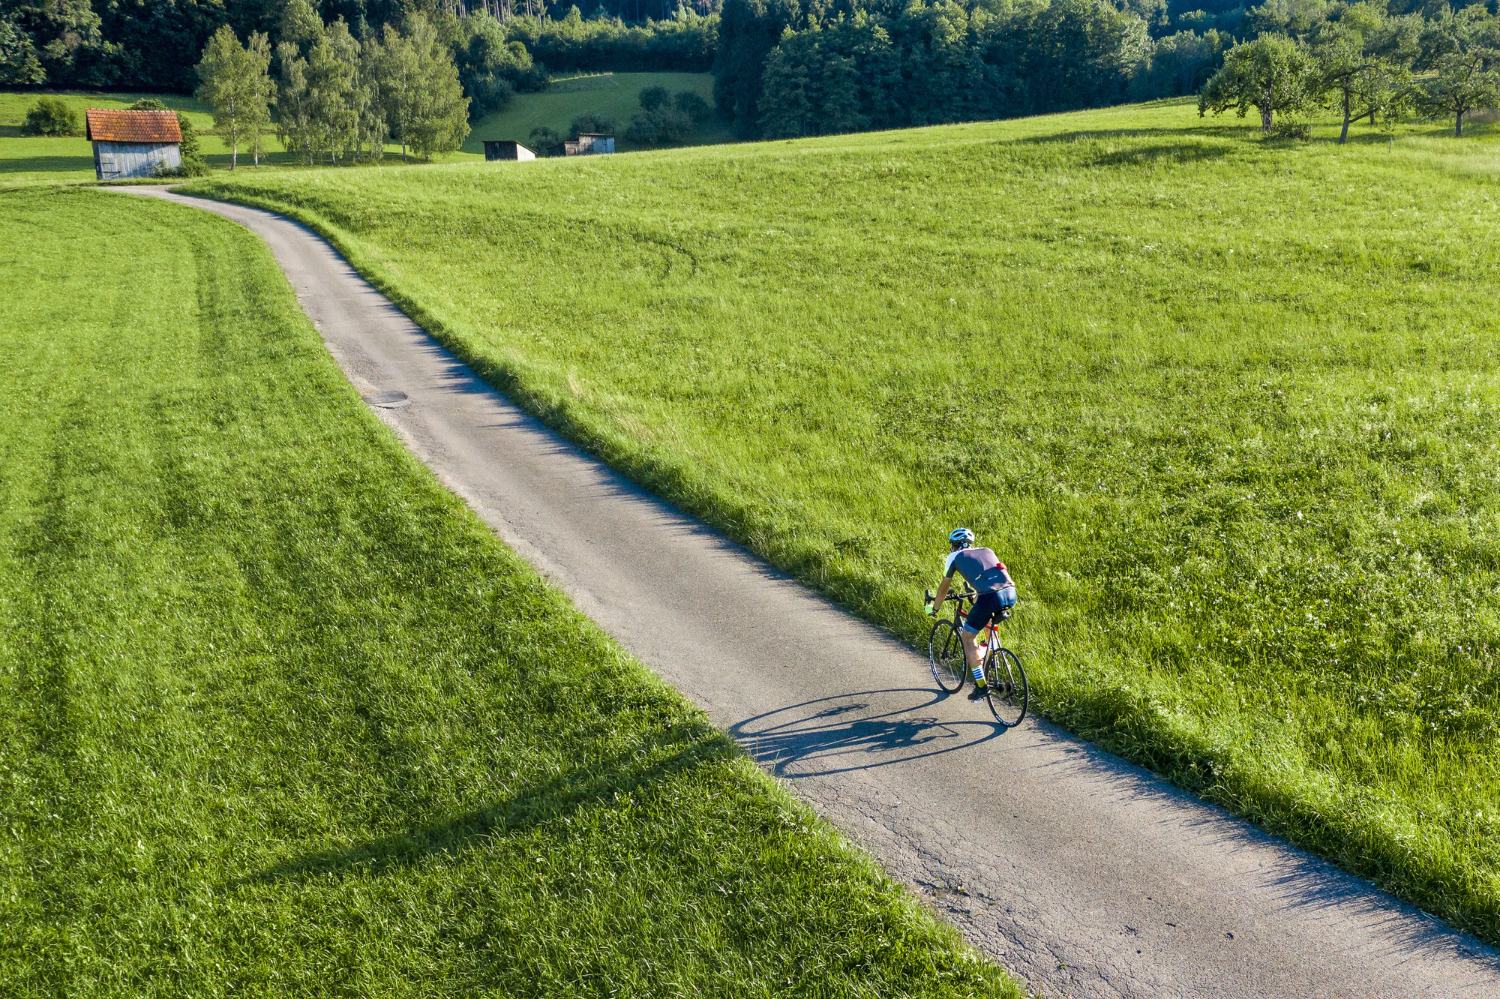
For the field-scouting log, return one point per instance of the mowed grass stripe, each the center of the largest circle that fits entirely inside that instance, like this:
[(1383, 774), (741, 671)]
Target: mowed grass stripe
[(1227, 407), (278, 715)]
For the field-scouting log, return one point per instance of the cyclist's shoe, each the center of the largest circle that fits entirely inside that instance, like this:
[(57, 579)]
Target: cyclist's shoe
[(979, 693)]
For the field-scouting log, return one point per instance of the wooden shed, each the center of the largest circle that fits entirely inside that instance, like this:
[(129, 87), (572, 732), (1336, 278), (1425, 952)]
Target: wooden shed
[(133, 143), (506, 149), (589, 144)]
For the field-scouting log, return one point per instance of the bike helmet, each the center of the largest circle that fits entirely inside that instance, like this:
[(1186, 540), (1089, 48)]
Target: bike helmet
[(963, 536)]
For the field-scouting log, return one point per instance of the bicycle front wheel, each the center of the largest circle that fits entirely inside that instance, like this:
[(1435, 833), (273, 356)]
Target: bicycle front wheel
[(1006, 679), (946, 654)]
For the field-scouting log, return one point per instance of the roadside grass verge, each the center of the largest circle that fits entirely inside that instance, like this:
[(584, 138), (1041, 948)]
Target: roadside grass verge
[(1228, 407), (278, 715)]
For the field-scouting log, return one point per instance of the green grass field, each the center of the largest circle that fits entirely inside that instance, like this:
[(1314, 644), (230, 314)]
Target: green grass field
[(614, 94), (279, 716), (1229, 408)]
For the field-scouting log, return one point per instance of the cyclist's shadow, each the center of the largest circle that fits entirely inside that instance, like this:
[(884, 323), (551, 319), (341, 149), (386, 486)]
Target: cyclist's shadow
[(858, 731)]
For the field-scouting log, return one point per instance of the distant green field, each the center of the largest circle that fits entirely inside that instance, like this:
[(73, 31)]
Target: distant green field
[(31, 159), (280, 717), (27, 159), (614, 94), (1230, 408)]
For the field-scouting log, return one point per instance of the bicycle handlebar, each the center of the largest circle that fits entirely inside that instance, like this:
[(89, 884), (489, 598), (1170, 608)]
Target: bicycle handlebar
[(967, 594)]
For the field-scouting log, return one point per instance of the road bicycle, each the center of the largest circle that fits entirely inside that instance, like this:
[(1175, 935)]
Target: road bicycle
[(1004, 676)]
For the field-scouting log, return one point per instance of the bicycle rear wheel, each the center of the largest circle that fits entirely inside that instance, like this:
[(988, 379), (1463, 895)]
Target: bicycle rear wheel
[(1006, 679), (946, 654)]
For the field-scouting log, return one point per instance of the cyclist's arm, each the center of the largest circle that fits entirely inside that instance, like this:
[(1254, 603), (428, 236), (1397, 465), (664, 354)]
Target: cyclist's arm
[(942, 592)]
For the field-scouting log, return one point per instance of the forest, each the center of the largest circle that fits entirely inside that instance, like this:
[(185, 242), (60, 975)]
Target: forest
[(787, 70)]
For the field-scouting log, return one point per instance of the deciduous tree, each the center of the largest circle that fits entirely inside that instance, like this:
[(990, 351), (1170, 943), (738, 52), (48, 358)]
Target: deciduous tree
[(1364, 58), (1273, 74), (235, 82), (1464, 52)]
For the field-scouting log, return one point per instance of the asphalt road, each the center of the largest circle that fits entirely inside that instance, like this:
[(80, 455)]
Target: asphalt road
[(1086, 876)]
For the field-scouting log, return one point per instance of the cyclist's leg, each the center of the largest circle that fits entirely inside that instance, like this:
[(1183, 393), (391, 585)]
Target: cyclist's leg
[(980, 615)]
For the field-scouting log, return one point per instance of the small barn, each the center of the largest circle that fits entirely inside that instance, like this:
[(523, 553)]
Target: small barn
[(506, 149), (133, 143), (589, 144)]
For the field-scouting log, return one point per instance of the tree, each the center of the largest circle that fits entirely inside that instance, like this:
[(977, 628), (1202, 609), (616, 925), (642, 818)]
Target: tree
[(294, 114), (1464, 50), (299, 25), (46, 39), (424, 102), (50, 116), (785, 106), (1364, 59), (370, 124), (1273, 74), (332, 74), (491, 68), (20, 64), (236, 83), (258, 112)]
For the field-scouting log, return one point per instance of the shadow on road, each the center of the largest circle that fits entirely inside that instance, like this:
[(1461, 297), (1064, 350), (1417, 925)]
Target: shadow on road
[(858, 731)]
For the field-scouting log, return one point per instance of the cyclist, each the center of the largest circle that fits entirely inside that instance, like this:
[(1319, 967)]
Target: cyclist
[(997, 595)]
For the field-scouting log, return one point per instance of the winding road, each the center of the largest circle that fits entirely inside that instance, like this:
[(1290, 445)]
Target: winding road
[(1085, 875)]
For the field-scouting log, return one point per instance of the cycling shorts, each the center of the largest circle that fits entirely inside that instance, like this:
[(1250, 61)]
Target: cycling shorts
[(987, 607)]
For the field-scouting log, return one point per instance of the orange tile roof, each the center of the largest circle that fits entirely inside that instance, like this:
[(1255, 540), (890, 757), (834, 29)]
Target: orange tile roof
[(132, 126)]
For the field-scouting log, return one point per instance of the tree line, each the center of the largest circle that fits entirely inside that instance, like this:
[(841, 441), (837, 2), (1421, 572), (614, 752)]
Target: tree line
[(335, 98), (1362, 61), (787, 69), (153, 45)]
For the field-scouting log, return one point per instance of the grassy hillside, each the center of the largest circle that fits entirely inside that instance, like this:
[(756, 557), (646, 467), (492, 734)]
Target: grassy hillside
[(614, 94), (1229, 408), (279, 716)]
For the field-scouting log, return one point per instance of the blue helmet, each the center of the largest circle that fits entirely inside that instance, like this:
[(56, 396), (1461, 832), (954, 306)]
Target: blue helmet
[(963, 536)]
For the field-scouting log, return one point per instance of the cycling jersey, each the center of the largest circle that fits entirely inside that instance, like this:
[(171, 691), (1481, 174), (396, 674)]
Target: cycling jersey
[(984, 571)]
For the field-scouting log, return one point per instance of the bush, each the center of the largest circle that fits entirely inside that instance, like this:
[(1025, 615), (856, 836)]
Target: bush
[(51, 116), (654, 97), (693, 105), (1292, 131), (661, 127), (600, 124), (544, 141)]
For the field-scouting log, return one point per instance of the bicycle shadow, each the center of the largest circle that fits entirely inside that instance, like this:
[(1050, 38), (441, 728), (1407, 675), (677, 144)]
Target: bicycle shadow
[(856, 731)]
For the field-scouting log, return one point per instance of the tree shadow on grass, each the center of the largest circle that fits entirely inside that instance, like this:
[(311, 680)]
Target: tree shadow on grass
[(659, 757)]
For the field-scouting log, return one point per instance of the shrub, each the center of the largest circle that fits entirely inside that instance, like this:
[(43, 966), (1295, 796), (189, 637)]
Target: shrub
[(601, 124), (654, 97), (693, 105), (545, 141), (661, 127), (1293, 131), (50, 116)]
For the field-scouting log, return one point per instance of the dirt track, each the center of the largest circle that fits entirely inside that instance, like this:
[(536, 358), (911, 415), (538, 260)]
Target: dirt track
[(1085, 875)]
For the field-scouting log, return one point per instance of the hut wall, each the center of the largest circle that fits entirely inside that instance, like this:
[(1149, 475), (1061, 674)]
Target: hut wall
[(118, 160)]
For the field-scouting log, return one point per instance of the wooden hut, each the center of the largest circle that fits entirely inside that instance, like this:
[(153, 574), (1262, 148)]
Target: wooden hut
[(589, 144), (133, 143), (506, 149)]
